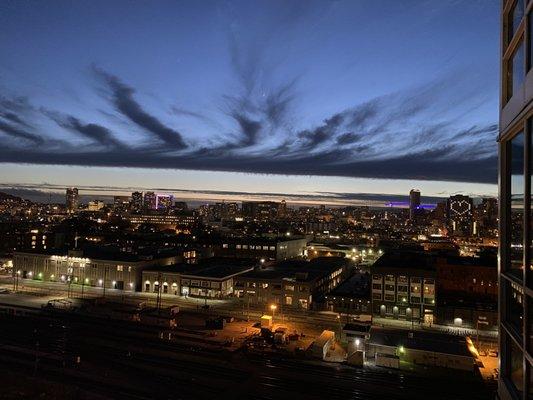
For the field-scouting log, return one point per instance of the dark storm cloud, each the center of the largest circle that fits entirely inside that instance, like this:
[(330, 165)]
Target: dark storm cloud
[(260, 105), (95, 132), (18, 133), (249, 128), (15, 104), (389, 137), (316, 137), (409, 134), (278, 103), (427, 165), (12, 117), (488, 131), (182, 112), (348, 138), (381, 197), (126, 104)]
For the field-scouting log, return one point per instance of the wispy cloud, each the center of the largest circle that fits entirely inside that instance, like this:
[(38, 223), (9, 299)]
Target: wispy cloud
[(410, 134), (122, 97)]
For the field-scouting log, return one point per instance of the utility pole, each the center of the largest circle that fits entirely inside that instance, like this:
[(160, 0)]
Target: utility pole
[(83, 282), (105, 276), (158, 299), (248, 310), (482, 321)]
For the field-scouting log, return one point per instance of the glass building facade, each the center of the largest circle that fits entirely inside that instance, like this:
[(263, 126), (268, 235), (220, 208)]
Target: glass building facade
[(515, 266)]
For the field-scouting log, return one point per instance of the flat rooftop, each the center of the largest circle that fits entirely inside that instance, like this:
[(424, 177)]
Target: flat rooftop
[(219, 271), (419, 340), (404, 260), (109, 253), (357, 285), (215, 267), (298, 270)]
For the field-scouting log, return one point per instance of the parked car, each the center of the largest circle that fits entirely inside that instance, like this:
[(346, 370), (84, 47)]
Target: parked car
[(493, 353)]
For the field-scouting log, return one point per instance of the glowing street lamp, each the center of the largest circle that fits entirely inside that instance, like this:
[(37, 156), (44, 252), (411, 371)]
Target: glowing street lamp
[(273, 307)]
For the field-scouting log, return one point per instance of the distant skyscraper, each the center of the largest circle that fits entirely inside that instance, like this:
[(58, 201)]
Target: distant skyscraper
[(95, 205), (414, 203), (136, 201), (163, 202), (260, 209), (228, 210), (282, 210), (72, 200), (150, 201), (460, 215), (180, 206), (121, 203)]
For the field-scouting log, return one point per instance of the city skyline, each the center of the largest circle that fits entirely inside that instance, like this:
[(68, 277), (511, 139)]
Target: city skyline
[(267, 116), (302, 199)]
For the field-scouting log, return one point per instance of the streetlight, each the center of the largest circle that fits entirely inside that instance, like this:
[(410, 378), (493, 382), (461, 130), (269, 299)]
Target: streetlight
[(273, 307)]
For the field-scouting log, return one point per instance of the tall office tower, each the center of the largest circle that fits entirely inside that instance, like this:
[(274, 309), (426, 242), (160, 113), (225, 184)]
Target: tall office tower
[(282, 210), (163, 202), (136, 203), (414, 203), (516, 126), (150, 201), (180, 206), (72, 200), (121, 203), (486, 216), (260, 209), (460, 215), (439, 212), (227, 210)]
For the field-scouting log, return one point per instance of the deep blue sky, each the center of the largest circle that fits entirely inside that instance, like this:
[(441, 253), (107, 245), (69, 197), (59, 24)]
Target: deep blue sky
[(403, 91)]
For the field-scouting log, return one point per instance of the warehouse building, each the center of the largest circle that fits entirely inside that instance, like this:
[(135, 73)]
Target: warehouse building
[(292, 283), (91, 266), (421, 347), (213, 278)]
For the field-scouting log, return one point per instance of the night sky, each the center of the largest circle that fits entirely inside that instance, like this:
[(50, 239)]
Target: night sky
[(276, 97)]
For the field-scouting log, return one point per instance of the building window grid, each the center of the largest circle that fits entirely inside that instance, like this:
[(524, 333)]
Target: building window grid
[(513, 39), (522, 34), (526, 283)]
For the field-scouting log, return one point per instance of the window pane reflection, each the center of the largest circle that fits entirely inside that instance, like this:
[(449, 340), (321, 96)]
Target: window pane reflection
[(515, 70), (514, 312), (530, 374), (515, 369), (517, 206), (515, 16)]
